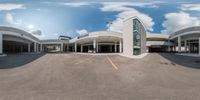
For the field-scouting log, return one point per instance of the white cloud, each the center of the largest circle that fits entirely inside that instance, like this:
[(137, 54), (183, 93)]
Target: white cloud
[(37, 32), (11, 20), (124, 6), (82, 31), (190, 7), (177, 21), (9, 6), (76, 4), (30, 26), (125, 11), (109, 4)]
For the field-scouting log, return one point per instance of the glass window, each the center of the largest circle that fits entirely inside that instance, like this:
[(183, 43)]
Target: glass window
[(136, 37)]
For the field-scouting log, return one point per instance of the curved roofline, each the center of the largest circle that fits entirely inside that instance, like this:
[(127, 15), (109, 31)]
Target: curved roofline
[(185, 30), (157, 35), (12, 29), (104, 31), (99, 32), (90, 35), (136, 17)]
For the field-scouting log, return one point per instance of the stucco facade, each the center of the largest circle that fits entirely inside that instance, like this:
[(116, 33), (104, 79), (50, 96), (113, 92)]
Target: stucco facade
[(134, 38), (128, 37)]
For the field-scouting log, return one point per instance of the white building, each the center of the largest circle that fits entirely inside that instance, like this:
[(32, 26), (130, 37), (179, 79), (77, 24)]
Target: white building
[(134, 40)]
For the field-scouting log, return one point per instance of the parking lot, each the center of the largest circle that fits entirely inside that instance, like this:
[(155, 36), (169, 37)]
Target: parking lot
[(162, 76)]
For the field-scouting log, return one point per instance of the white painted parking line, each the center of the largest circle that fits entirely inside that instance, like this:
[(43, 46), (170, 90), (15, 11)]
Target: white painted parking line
[(111, 62)]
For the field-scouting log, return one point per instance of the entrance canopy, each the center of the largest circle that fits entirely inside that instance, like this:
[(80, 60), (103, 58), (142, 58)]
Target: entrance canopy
[(97, 40), (187, 40)]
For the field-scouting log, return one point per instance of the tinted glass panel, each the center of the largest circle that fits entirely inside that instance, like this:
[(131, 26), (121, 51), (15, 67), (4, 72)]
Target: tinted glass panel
[(136, 37)]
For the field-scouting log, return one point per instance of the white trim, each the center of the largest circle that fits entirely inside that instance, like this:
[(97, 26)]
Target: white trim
[(186, 33), (18, 35), (51, 43), (134, 56)]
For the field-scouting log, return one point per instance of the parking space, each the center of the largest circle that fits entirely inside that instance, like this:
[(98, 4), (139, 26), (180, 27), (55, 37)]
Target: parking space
[(99, 77)]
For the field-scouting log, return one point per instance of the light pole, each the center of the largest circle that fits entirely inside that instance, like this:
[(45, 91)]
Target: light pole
[(109, 25)]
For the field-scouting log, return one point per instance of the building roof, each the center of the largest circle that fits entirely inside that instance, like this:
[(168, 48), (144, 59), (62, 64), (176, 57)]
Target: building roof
[(63, 36), (157, 35), (19, 31), (186, 30), (97, 34)]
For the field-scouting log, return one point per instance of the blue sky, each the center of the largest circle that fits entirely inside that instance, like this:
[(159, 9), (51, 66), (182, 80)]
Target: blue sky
[(47, 19)]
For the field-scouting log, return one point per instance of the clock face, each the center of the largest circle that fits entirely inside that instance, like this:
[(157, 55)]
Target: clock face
[(137, 36)]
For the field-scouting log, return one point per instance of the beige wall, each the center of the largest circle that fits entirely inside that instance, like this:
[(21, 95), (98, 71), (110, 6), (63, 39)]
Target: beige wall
[(128, 37), (143, 39), (1, 43)]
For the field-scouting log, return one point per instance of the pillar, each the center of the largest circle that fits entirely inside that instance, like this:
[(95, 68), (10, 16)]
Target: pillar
[(97, 50), (111, 48), (40, 47), (81, 47), (120, 46), (199, 45), (35, 47), (67, 47), (174, 48), (61, 47), (75, 47), (94, 45), (29, 47), (115, 46), (179, 44), (1, 43), (168, 46), (189, 47), (185, 45)]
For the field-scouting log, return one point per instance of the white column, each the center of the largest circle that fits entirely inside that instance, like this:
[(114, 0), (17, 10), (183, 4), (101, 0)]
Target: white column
[(115, 46), (97, 47), (94, 45), (174, 48), (179, 44), (168, 46), (120, 46), (189, 47), (1, 43), (67, 47), (199, 45), (111, 48), (29, 47), (61, 47), (35, 47), (81, 47), (185, 45), (40, 47), (75, 47)]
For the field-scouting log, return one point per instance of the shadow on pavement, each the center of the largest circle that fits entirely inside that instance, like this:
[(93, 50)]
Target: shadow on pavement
[(17, 60), (186, 61)]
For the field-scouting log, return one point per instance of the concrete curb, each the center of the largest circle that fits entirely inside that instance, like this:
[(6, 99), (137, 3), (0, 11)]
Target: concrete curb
[(134, 57)]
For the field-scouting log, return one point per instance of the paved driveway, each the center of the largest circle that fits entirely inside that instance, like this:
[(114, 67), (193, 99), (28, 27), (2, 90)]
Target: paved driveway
[(95, 77)]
